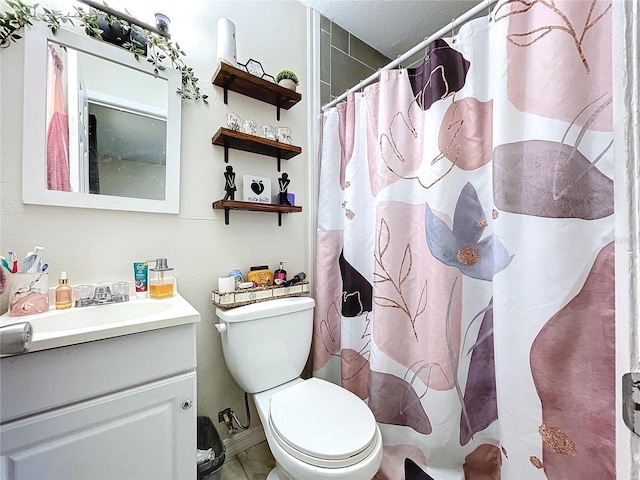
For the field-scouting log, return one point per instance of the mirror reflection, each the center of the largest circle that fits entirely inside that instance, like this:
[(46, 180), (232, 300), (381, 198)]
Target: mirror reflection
[(106, 127)]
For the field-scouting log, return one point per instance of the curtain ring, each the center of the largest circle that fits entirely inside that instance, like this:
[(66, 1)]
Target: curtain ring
[(453, 30), (399, 64), (426, 50)]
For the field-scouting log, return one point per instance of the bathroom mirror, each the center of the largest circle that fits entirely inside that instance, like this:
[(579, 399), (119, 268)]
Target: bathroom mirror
[(100, 129)]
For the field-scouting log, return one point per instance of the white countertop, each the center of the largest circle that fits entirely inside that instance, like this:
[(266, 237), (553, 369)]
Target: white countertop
[(60, 328)]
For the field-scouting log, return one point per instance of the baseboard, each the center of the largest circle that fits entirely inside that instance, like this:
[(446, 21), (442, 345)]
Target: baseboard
[(243, 440)]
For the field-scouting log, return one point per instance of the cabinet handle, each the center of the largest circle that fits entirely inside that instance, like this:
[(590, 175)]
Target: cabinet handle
[(186, 405)]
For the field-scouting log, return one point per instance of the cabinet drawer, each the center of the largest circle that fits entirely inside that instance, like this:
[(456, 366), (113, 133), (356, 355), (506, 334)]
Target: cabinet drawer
[(39, 381)]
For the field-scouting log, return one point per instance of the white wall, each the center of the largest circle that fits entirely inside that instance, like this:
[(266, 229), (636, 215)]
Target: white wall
[(97, 245)]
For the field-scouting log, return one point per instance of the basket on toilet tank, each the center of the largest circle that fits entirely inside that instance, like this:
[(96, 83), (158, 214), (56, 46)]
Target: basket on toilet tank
[(247, 296)]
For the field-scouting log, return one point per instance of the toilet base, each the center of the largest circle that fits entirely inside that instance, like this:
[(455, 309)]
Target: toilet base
[(278, 474)]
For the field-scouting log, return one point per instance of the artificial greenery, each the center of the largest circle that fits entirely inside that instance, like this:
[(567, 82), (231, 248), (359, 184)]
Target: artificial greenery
[(287, 74), (159, 49)]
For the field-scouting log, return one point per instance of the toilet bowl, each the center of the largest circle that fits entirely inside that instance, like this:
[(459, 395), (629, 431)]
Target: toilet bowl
[(318, 430), (315, 429)]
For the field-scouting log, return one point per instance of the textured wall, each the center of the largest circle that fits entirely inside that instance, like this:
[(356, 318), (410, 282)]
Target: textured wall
[(345, 60), (100, 245)]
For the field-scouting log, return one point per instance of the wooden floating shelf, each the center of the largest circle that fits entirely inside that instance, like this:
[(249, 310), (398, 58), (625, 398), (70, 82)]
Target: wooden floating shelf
[(236, 80), (228, 138), (255, 207)]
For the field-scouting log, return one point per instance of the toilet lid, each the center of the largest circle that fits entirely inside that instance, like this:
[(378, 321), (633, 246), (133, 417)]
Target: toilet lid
[(322, 424)]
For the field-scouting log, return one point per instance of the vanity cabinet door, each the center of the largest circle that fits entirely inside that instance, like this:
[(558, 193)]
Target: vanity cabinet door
[(147, 432)]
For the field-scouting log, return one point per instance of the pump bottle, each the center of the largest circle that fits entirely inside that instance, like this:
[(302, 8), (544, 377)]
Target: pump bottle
[(161, 280), (280, 275)]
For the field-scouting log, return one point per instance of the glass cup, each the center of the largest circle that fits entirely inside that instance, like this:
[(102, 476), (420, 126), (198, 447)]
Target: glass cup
[(269, 132), (284, 135), (250, 126), (121, 291), (83, 295), (234, 121)]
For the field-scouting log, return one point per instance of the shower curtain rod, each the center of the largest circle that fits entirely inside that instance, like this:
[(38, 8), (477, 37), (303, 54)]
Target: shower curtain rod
[(485, 4)]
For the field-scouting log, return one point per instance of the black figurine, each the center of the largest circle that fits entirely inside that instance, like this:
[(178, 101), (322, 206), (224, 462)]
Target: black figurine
[(230, 183), (283, 183)]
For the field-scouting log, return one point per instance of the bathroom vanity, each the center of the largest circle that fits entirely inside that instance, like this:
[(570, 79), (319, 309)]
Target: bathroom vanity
[(118, 406)]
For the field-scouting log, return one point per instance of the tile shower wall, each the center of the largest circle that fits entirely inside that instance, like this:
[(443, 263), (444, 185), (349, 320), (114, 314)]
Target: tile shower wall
[(345, 60)]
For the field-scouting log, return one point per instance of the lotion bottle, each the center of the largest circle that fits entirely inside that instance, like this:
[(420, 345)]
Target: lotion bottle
[(63, 292), (280, 275)]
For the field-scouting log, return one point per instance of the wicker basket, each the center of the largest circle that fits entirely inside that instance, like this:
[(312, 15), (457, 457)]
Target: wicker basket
[(248, 296)]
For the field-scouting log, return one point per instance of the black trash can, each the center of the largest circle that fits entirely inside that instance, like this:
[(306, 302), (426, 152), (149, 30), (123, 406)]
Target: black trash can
[(208, 438)]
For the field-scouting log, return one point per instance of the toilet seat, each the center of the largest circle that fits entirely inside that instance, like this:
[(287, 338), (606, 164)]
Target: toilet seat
[(322, 424)]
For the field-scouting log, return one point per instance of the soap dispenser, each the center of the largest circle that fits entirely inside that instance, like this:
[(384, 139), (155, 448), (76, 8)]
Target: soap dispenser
[(280, 275), (63, 292), (160, 279)]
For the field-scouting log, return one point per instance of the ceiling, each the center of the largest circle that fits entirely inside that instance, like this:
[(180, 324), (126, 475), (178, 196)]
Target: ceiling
[(392, 26)]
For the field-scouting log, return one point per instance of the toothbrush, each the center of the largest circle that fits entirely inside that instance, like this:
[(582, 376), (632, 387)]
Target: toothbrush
[(36, 263), (27, 261), (14, 261)]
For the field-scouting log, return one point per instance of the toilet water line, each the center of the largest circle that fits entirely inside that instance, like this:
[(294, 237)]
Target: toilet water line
[(246, 405)]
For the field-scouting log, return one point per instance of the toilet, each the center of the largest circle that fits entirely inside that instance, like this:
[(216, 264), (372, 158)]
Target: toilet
[(315, 429)]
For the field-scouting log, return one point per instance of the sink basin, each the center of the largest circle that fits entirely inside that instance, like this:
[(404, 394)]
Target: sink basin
[(95, 316), (58, 328)]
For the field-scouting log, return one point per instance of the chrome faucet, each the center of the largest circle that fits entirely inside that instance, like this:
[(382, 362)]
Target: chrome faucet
[(102, 294)]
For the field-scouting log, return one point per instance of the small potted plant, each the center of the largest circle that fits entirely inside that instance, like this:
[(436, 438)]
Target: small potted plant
[(287, 79)]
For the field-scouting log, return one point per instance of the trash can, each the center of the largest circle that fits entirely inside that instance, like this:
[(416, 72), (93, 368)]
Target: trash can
[(210, 450)]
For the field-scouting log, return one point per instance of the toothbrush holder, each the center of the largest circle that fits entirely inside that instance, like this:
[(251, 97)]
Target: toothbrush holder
[(28, 293)]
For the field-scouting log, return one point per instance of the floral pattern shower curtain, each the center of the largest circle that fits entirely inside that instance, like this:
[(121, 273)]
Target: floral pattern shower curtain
[(465, 255)]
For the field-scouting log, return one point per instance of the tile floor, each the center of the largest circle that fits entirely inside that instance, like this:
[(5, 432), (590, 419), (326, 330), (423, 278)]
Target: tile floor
[(254, 463)]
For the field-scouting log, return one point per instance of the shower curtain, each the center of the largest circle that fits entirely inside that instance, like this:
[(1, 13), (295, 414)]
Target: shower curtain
[(465, 250)]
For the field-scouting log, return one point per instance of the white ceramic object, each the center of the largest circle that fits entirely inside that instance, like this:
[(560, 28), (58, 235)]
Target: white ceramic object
[(226, 46), (256, 189), (288, 83), (315, 429), (28, 293)]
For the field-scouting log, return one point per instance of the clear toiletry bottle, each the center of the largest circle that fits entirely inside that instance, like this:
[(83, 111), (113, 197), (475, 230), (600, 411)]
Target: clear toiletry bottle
[(64, 293), (280, 275), (161, 280)]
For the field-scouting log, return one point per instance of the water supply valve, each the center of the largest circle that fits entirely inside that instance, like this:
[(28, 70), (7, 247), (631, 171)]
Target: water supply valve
[(226, 416)]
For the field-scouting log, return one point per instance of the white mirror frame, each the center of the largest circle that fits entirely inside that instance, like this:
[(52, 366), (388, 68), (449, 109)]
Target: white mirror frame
[(34, 169)]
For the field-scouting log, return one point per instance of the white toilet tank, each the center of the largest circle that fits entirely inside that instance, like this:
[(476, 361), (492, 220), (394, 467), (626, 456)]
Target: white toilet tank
[(267, 344)]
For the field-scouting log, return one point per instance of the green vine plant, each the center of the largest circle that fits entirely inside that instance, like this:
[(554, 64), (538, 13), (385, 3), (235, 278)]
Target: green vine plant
[(159, 49)]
